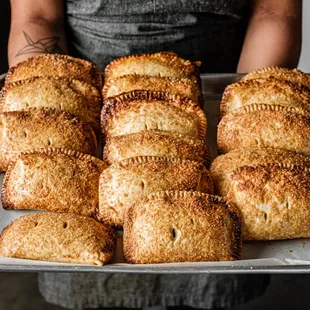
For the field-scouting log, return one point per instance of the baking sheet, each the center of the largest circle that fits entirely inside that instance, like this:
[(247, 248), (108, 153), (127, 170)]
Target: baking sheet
[(291, 256)]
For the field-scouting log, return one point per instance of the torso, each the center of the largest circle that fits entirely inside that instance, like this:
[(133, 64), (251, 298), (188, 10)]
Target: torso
[(210, 31)]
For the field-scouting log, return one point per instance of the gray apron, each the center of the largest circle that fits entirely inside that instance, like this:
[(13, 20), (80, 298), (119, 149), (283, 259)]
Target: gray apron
[(208, 30), (101, 30)]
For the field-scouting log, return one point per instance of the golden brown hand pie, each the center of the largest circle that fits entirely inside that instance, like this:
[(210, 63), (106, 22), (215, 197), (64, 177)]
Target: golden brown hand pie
[(222, 167), (157, 64), (55, 180), (77, 97), (274, 201), (270, 91), (261, 125), (127, 181), (41, 128), (56, 65), (295, 75), (176, 226), (145, 110), (155, 143), (183, 87), (58, 237)]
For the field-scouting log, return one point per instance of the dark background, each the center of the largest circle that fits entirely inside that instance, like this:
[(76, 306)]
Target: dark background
[(4, 33)]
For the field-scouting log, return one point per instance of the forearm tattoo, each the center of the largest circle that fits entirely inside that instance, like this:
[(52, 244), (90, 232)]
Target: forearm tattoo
[(45, 45)]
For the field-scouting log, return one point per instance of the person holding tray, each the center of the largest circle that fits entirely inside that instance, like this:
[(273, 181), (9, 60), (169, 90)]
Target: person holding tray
[(227, 36)]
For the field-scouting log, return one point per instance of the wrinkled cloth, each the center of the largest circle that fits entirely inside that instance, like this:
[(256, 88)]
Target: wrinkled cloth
[(211, 31), (80, 291)]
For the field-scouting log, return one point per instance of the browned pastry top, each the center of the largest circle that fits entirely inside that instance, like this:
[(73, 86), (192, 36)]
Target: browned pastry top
[(157, 64), (270, 91), (292, 75), (40, 128), (125, 182), (273, 200), (58, 237), (223, 166), (183, 87), (176, 226), (56, 65), (55, 180), (70, 95), (145, 110), (262, 125), (155, 143)]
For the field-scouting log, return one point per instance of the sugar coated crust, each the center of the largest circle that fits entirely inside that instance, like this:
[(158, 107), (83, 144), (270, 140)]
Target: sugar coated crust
[(58, 237)]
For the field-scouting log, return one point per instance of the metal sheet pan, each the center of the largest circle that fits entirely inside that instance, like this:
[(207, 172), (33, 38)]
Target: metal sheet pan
[(292, 256)]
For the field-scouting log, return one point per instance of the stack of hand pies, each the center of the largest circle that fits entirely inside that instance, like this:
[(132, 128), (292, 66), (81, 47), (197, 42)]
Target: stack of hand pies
[(157, 186), (153, 181), (50, 112), (265, 135)]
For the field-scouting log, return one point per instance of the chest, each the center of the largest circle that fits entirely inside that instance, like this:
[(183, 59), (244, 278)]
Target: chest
[(132, 7)]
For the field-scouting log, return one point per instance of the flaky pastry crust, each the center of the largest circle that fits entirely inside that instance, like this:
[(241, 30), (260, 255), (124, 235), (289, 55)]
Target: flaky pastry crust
[(178, 226), (41, 128), (261, 125), (183, 87), (56, 180), (74, 96), (270, 91), (273, 200), (56, 65), (65, 238), (157, 64), (292, 75), (223, 166), (129, 180), (145, 110), (155, 143)]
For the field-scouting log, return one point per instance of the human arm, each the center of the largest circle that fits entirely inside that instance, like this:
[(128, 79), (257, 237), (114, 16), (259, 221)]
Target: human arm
[(37, 27), (273, 37)]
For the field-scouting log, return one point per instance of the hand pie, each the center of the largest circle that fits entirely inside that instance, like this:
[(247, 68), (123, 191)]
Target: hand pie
[(64, 238), (273, 201), (155, 143), (261, 125), (123, 183), (55, 180), (222, 167), (56, 65), (74, 96), (295, 75), (157, 64), (183, 87), (144, 110), (21, 131), (178, 226), (269, 91)]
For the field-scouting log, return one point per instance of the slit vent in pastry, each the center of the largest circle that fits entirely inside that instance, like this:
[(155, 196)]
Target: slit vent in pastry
[(273, 201), (21, 131), (129, 180), (178, 226), (58, 237)]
